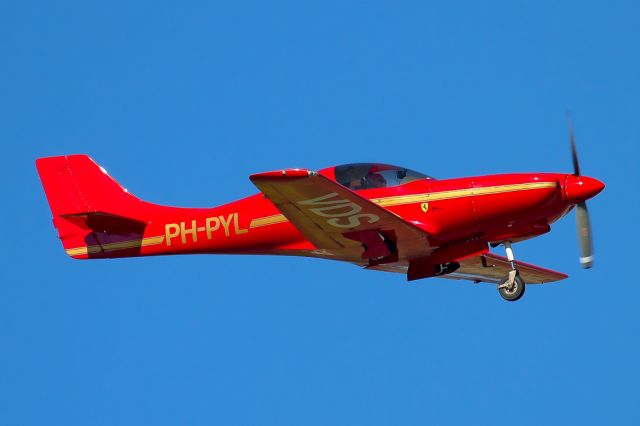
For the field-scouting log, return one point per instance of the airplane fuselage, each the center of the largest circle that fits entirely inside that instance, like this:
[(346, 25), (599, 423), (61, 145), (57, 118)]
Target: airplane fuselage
[(490, 208)]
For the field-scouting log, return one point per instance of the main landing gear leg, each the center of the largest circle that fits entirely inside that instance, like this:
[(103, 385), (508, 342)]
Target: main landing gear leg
[(511, 288)]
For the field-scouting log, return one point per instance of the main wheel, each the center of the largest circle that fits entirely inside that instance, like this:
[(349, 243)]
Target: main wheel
[(516, 290)]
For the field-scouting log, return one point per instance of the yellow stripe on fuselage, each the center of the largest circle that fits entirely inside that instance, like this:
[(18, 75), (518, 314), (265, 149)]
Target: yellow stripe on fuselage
[(383, 202), (459, 193), (268, 220), (120, 245), (426, 197)]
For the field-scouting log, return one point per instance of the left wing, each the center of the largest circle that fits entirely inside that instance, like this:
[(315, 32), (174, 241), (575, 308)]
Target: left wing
[(334, 218)]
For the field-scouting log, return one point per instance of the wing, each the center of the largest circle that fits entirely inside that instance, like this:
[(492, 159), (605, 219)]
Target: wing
[(338, 220), (489, 268)]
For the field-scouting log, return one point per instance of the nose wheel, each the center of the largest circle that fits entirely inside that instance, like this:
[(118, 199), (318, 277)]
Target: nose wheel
[(511, 287), (511, 292)]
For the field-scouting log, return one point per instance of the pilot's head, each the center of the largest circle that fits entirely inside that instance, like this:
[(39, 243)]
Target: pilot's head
[(376, 180)]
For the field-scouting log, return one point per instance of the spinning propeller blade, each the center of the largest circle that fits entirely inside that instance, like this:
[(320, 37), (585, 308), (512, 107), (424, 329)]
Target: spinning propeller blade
[(584, 235), (574, 150), (582, 213)]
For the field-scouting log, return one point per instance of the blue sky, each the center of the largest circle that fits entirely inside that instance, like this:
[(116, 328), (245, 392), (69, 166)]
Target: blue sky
[(182, 101)]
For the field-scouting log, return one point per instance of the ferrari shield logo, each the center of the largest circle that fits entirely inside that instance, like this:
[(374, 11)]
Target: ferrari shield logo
[(425, 207)]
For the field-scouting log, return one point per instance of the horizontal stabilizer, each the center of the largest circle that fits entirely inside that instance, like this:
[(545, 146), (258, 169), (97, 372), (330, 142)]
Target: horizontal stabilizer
[(105, 222)]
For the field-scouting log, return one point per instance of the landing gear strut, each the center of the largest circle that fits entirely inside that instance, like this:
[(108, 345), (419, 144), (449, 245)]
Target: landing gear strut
[(511, 287)]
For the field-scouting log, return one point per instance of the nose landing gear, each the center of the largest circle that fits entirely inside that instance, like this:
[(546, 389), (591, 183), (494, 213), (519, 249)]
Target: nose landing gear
[(511, 287), (511, 292)]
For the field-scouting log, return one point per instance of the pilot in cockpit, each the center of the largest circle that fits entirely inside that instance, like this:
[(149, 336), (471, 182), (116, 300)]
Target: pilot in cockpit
[(375, 180)]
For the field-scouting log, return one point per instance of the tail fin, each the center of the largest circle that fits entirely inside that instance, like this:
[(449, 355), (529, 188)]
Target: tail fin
[(75, 183), (91, 211)]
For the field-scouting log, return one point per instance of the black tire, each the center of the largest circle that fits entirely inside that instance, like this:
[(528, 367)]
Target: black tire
[(516, 292)]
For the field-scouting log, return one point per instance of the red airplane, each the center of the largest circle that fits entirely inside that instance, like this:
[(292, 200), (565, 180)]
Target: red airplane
[(377, 216)]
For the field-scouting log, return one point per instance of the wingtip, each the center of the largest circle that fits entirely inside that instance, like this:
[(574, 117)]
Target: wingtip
[(284, 173)]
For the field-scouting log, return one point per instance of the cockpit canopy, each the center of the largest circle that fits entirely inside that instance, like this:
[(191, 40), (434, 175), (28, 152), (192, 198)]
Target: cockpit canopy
[(358, 176)]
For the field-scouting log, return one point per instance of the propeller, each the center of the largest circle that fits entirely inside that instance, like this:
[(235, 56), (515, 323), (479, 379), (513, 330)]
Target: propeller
[(582, 213), (574, 150)]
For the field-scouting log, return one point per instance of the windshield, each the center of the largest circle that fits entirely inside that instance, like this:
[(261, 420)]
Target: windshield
[(371, 175)]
